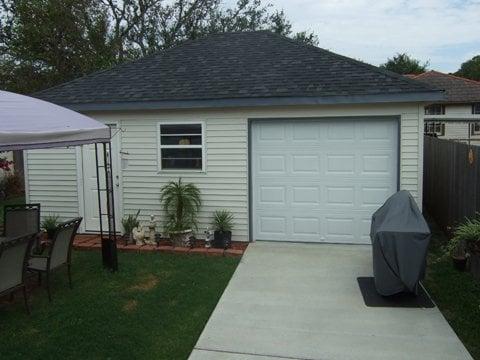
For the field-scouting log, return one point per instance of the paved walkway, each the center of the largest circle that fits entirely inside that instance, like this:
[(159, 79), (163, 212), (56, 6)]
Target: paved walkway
[(301, 301)]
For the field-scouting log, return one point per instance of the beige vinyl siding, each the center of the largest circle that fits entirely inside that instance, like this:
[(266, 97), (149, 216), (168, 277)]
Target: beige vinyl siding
[(52, 181), (224, 184)]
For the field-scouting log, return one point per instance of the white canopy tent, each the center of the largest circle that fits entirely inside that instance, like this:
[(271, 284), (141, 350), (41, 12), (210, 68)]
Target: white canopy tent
[(28, 123)]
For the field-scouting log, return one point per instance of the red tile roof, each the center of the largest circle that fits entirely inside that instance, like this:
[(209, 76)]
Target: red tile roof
[(457, 89)]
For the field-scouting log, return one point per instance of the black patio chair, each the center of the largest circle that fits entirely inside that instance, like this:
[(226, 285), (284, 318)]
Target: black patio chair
[(58, 253), (14, 254), (21, 219)]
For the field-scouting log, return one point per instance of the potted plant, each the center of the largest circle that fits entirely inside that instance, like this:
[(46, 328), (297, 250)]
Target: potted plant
[(130, 222), (468, 233), (223, 225), (49, 225), (181, 203)]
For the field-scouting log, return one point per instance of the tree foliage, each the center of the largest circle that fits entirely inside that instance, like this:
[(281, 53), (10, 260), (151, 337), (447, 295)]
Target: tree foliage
[(404, 64), (47, 42), (470, 69)]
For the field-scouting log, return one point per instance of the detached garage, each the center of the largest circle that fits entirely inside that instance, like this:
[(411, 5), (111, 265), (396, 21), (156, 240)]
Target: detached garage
[(301, 144)]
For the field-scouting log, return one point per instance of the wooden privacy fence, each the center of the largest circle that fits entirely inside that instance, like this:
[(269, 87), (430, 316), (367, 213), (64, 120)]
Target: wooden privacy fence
[(451, 182)]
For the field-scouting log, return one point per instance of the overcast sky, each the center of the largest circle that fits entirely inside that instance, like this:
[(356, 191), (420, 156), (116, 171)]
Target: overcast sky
[(445, 32)]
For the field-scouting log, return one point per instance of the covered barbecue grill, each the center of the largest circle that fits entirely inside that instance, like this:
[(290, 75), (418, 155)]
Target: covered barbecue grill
[(400, 238)]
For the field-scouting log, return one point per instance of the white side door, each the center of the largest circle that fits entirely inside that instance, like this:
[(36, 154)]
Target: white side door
[(90, 191)]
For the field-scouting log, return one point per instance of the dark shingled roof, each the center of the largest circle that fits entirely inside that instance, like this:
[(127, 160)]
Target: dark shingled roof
[(243, 65), (457, 89)]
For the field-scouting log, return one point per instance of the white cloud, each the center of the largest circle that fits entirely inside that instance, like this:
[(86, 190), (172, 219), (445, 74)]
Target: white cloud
[(446, 32)]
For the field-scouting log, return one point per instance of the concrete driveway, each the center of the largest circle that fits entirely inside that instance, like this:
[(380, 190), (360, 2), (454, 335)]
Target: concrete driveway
[(301, 301)]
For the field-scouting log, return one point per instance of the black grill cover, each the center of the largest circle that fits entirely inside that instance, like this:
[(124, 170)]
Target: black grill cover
[(400, 238)]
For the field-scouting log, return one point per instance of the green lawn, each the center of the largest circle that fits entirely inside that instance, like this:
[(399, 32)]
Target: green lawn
[(457, 295), (155, 307)]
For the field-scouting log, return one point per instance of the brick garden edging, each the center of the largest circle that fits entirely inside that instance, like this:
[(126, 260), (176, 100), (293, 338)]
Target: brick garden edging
[(92, 242)]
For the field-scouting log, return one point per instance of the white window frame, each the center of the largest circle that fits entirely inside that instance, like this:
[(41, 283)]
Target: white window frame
[(433, 125), (475, 106), (433, 106), (160, 146), (472, 128)]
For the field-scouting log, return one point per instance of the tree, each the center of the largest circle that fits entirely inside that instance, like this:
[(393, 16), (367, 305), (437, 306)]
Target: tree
[(470, 69), (47, 42), (404, 64)]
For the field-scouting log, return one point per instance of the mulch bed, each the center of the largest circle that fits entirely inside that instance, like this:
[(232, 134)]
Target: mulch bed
[(92, 242)]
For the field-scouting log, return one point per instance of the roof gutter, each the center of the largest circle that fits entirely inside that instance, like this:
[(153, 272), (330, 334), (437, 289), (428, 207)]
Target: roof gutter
[(255, 102)]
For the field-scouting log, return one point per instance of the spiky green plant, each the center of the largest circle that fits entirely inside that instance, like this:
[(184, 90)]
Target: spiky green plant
[(181, 203), (49, 225), (129, 222), (223, 220), (466, 236)]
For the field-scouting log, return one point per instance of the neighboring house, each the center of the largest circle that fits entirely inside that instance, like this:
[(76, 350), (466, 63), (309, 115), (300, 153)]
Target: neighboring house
[(456, 117), (301, 144)]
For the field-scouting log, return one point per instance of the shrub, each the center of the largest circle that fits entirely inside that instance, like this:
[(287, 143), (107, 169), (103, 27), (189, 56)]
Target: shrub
[(181, 203), (12, 185), (466, 237), (129, 222)]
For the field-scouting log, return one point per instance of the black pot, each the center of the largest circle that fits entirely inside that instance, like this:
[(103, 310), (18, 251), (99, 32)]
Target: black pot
[(475, 265), (459, 263), (222, 239)]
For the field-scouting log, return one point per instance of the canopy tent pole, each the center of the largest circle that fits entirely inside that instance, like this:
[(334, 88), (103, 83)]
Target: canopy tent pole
[(108, 237)]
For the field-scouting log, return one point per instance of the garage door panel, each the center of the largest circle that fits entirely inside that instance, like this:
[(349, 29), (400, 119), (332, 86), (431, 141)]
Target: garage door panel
[(271, 164), (308, 163), (377, 131), (374, 197), (305, 195), (340, 195), (272, 195), (272, 225), (270, 133), (340, 164), (380, 164), (321, 180), (303, 132)]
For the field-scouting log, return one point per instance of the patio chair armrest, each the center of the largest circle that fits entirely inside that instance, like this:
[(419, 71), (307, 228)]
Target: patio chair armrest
[(39, 256)]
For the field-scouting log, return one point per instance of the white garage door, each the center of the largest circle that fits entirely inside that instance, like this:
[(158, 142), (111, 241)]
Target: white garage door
[(321, 181)]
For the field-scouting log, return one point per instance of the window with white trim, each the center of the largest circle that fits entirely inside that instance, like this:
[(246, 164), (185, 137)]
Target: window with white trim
[(476, 108), (181, 146), (434, 128), (475, 128), (435, 109)]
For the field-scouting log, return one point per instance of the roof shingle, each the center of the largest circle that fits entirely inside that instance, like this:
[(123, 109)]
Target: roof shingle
[(457, 89), (233, 66)]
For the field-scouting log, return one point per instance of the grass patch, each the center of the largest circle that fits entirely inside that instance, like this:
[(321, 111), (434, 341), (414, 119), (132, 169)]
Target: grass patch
[(15, 200), (155, 307), (457, 294)]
